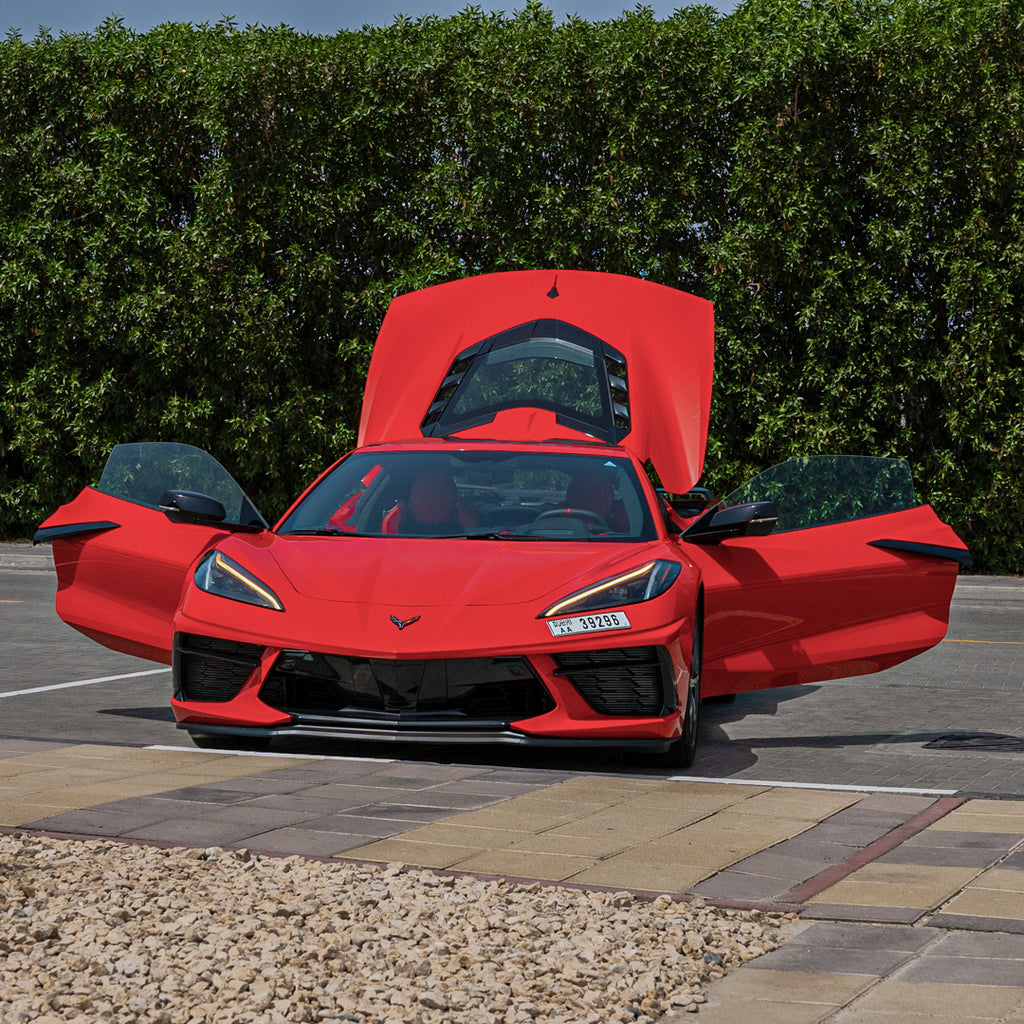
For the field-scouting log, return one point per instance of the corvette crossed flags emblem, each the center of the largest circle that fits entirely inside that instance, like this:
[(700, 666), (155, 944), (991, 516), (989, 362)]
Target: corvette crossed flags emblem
[(402, 623)]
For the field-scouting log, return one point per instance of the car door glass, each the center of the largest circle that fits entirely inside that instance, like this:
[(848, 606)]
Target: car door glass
[(141, 473), (819, 490)]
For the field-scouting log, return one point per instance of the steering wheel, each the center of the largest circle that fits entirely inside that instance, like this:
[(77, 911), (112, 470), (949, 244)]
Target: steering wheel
[(592, 518)]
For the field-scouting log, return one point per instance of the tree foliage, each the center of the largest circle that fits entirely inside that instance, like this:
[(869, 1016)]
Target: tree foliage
[(201, 228)]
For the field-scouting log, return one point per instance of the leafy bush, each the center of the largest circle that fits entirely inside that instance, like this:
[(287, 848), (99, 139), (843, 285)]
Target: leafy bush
[(201, 228)]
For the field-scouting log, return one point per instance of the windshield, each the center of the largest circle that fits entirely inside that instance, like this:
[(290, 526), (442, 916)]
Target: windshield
[(487, 494)]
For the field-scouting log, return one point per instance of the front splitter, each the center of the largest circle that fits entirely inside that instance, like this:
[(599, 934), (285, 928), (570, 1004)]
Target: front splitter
[(501, 737)]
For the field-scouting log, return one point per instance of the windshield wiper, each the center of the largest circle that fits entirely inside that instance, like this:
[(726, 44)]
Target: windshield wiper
[(324, 531), (495, 535)]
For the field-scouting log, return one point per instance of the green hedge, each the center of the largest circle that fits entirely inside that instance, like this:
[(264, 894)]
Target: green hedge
[(200, 229)]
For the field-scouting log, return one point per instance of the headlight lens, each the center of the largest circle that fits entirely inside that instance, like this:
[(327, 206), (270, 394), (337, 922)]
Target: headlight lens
[(220, 575), (640, 584)]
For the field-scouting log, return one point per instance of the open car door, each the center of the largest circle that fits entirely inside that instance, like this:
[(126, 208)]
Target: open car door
[(857, 576), (121, 561)]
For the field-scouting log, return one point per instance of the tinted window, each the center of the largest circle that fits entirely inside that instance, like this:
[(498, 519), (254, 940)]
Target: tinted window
[(478, 493), (545, 364), (815, 491), (142, 472)]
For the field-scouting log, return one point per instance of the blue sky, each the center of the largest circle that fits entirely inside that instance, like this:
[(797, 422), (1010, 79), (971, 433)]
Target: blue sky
[(318, 16)]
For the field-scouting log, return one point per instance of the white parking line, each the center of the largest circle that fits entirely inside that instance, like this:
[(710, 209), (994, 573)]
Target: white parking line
[(815, 785), (84, 682)]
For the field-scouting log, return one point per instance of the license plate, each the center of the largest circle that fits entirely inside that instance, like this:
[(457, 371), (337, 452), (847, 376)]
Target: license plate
[(597, 623)]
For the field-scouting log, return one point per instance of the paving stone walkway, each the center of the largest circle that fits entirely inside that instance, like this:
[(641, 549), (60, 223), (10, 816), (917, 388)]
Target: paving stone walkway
[(912, 905)]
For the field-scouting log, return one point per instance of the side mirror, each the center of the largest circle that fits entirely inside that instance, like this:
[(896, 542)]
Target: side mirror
[(192, 507), (692, 503), (754, 519)]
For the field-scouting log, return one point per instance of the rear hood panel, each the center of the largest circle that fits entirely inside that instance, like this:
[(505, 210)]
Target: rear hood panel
[(665, 335)]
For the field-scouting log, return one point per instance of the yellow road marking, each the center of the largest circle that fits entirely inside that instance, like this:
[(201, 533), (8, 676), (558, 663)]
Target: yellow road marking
[(1011, 643)]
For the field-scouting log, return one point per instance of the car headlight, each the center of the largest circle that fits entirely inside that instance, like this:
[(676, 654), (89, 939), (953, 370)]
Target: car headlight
[(220, 575), (640, 584)]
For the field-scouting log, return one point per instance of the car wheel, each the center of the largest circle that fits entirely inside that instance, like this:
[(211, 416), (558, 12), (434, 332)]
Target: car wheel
[(682, 753)]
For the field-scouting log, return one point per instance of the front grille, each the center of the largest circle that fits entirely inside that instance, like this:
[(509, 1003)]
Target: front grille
[(210, 669), (453, 691), (623, 680)]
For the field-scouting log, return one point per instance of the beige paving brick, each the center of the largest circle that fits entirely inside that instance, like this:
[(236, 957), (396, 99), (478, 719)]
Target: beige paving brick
[(591, 847), (1002, 879), (706, 855), (518, 864), (703, 847), (639, 875), (585, 801), (960, 1001), (976, 901), (618, 827), (447, 833), (772, 829), (511, 815), (792, 986), (601, 784), (693, 787), (984, 816), (402, 851), (16, 767), (856, 1016), (21, 811), (798, 804), (752, 1011), (912, 886)]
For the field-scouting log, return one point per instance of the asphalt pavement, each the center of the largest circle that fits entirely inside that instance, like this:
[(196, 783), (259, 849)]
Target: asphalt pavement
[(888, 812)]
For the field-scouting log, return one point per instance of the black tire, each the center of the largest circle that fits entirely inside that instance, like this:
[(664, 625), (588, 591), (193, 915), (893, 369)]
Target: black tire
[(683, 751)]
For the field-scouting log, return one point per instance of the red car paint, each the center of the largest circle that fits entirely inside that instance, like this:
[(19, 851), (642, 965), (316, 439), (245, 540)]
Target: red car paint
[(790, 607)]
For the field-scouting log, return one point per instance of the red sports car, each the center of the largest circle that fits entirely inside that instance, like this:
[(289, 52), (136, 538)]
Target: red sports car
[(493, 562)]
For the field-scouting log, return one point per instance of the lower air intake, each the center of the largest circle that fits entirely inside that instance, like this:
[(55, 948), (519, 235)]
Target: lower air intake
[(441, 692), (622, 681), (208, 669)]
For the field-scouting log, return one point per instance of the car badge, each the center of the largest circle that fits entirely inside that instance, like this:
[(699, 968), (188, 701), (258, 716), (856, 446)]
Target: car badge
[(402, 623)]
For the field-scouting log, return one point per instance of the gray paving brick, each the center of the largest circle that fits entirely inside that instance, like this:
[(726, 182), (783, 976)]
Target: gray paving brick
[(777, 863), (366, 828), (840, 935), (941, 856), (832, 960), (97, 821), (738, 885), (996, 841), (208, 794), (305, 843), (404, 812), (848, 912), (999, 945), (963, 970)]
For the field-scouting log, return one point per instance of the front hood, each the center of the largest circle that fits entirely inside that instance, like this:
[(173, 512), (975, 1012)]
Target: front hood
[(424, 573)]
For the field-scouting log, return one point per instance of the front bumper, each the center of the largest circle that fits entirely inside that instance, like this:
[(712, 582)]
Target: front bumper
[(604, 696)]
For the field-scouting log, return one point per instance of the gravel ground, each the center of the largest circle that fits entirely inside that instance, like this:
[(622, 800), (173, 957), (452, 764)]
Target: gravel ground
[(97, 931)]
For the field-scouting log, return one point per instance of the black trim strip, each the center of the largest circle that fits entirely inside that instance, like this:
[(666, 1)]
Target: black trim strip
[(930, 550), (505, 737), (46, 533)]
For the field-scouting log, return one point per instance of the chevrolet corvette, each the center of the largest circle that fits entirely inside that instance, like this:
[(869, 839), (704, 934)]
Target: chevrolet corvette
[(493, 562)]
